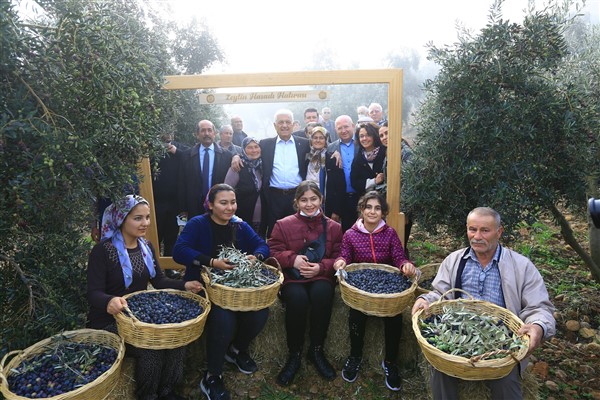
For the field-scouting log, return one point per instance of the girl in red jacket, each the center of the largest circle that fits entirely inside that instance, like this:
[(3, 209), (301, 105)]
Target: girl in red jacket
[(308, 286)]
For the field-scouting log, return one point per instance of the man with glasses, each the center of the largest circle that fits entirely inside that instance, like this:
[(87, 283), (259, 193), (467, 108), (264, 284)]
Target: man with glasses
[(284, 167), (376, 113), (329, 124)]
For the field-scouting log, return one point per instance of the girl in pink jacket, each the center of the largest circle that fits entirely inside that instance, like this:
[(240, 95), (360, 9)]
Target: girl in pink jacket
[(371, 240)]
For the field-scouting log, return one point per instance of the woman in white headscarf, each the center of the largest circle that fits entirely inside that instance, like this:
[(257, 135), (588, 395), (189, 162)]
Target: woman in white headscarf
[(124, 262)]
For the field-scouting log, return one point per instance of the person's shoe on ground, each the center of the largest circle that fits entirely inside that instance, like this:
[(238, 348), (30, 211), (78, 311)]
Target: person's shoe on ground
[(242, 360), (392, 376), (214, 388), (289, 370), (351, 367), (317, 357)]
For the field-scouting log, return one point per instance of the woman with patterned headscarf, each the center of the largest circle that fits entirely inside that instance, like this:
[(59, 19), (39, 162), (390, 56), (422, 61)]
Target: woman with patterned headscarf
[(248, 184), (317, 156), (122, 263)]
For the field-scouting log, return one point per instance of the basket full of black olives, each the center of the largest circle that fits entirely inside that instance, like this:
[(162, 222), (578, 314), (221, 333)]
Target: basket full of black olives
[(83, 364), (376, 289), (162, 319)]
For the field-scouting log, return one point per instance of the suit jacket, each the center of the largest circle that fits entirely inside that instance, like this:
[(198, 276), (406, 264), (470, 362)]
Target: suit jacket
[(267, 148), (190, 178), (336, 180)]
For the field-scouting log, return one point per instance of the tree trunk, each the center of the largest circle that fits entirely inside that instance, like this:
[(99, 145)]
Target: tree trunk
[(567, 234), (595, 243)]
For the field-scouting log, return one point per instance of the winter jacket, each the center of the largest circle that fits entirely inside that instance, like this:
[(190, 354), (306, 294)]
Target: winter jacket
[(196, 239), (291, 233), (382, 246)]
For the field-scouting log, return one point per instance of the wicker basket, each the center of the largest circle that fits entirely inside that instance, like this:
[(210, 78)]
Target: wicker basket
[(428, 271), (379, 305), (97, 389), (243, 299), (163, 336), (473, 369)]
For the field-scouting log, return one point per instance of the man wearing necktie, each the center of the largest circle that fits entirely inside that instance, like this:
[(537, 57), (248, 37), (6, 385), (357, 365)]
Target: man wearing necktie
[(205, 165)]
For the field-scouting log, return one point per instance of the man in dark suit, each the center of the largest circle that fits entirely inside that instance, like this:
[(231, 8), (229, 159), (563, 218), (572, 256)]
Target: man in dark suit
[(282, 172), (342, 199), (164, 188), (203, 166), (284, 167)]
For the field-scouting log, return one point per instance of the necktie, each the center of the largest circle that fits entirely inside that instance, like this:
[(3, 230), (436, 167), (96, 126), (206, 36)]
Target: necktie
[(205, 177)]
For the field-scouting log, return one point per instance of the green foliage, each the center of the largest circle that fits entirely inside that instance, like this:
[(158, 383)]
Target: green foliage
[(502, 126), (81, 104)]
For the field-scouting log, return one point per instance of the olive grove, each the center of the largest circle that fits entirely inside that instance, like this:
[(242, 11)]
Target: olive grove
[(511, 121), (80, 105)]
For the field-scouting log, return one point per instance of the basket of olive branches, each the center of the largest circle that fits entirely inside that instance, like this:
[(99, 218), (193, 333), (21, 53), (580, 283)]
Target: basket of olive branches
[(82, 364), (251, 285), (470, 339), (376, 289)]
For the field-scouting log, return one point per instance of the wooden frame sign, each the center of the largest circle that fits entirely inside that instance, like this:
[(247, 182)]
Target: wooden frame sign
[(392, 77)]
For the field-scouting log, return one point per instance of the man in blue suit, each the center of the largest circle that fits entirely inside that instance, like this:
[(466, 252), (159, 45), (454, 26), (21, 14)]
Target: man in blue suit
[(193, 179)]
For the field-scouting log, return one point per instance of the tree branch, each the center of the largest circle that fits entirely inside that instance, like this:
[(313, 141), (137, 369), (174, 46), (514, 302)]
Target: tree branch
[(26, 281), (567, 234)]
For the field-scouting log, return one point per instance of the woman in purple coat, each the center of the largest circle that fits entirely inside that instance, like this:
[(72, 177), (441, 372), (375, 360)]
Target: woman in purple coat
[(371, 240)]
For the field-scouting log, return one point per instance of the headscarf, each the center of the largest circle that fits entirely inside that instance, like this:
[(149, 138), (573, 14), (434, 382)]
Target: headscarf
[(255, 166), (113, 218), (317, 157)]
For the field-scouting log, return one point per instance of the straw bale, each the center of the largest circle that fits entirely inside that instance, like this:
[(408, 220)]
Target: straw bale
[(271, 345)]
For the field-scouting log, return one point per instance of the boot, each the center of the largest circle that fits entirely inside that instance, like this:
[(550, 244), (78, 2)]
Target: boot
[(317, 357), (288, 372)]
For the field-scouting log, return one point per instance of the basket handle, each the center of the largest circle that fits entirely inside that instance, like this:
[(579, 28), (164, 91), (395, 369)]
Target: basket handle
[(417, 275), (455, 290), (485, 356), (10, 353), (127, 312), (273, 262)]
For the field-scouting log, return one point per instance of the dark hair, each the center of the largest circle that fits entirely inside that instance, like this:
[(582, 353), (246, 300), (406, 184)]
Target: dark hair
[(362, 202), (372, 130), (384, 124), (311, 109), (212, 193), (304, 187)]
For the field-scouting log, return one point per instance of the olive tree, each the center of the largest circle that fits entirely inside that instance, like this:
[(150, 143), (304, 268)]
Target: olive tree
[(80, 104), (505, 125)]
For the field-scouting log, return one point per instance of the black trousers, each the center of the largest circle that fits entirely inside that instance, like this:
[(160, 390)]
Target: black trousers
[(280, 204), (166, 224), (349, 214), (357, 322), (303, 302), (225, 327), (157, 372)]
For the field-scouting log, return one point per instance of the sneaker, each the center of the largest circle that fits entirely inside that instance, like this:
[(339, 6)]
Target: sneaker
[(392, 377), (242, 360), (213, 388), (350, 370)]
